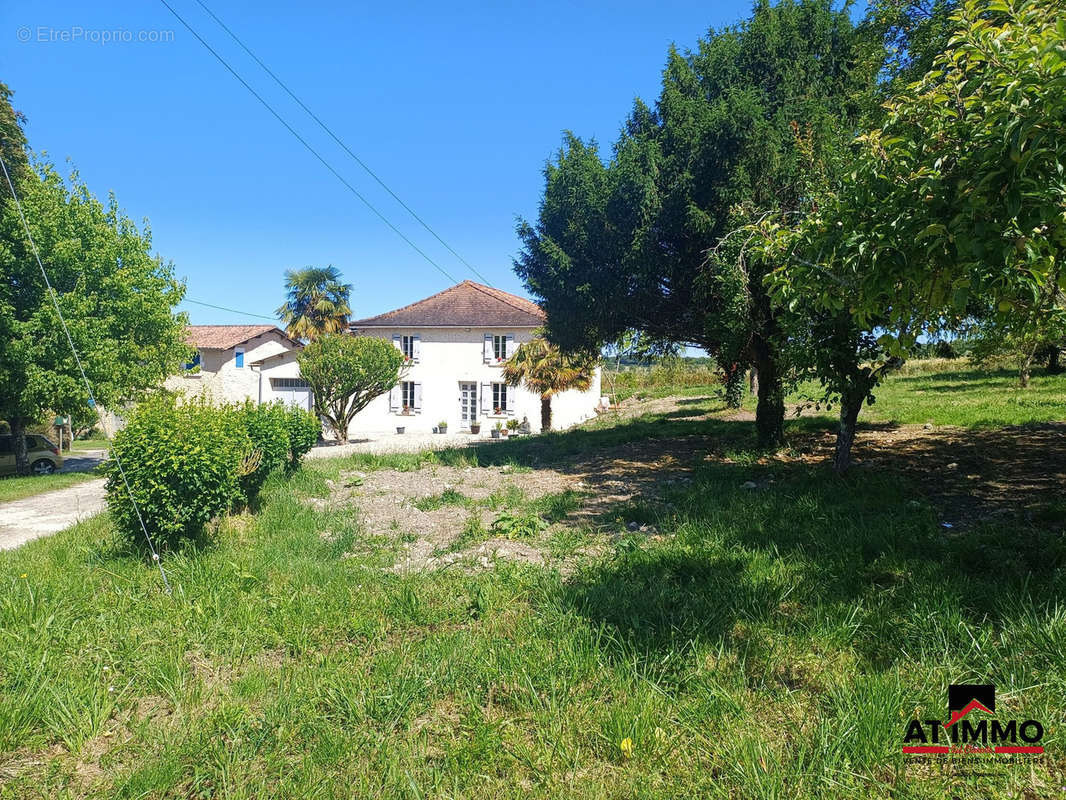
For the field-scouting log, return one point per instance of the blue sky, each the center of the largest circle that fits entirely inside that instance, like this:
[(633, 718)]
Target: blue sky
[(456, 105)]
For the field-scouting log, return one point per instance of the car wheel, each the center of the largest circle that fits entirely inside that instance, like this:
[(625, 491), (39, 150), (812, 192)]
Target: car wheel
[(42, 466)]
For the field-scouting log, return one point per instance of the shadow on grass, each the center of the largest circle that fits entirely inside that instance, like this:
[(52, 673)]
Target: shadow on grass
[(656, 601), (864, 561)]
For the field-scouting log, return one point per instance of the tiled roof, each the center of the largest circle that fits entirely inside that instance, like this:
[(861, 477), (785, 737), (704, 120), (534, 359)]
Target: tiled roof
[(468, 305), (223, 337)]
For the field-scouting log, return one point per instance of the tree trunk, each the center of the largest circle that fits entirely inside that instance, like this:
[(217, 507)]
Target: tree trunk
[(753, 380), (339, 426), (734, 387), (849, 415), (1053, 365), (770, 412), (1025, 372), (18, 441), (545, 413)]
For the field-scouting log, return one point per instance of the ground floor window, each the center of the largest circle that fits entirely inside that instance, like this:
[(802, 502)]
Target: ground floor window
[(407, 395), (289, 383), (499, 398)]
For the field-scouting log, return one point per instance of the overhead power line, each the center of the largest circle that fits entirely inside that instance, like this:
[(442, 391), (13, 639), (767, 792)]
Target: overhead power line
[(338, 140), (231, 310), (305, 143)]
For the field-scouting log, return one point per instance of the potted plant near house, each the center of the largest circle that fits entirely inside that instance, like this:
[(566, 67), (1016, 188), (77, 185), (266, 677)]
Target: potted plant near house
[(475, 428), (512, 427), (405, 412), (495, 432), (442, 426)]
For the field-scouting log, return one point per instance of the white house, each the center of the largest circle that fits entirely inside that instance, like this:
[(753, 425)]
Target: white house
[(456, 343), (234, 363)]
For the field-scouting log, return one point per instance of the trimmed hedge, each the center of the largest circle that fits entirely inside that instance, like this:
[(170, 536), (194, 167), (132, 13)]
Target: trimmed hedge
[(268, 430), (304, 430), (188, 463), (182, 464)]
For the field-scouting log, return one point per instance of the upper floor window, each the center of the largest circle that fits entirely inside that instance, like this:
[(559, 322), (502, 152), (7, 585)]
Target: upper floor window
[(194, 364), (238, 357), (409, 345), (498, 347)]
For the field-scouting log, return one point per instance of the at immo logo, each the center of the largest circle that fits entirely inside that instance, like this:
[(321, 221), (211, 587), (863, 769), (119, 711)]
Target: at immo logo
[(972, 728)]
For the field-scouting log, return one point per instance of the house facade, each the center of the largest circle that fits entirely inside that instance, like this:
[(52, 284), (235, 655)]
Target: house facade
[(456, 343), (234, 363)]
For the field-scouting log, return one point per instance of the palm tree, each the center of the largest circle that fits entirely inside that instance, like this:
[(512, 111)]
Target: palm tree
[(317, 302), (546, 370)]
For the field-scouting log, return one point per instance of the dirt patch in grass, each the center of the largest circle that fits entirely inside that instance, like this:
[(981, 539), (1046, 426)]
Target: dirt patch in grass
[(442, 516)]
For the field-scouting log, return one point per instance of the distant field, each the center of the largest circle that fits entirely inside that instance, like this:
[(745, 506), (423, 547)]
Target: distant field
[(938, 391), (658, 381)]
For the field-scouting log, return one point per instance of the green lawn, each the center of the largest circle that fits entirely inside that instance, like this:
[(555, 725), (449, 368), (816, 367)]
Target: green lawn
[(15, 488), (773, 643), (90, 444), (970, 398)]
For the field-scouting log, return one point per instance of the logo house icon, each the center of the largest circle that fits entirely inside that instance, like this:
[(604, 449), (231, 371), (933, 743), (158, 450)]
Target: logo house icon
[(969, 730)]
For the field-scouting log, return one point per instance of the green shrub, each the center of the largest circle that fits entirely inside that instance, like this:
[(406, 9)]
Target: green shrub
[(183, 467), (268, 429), (304, 430)]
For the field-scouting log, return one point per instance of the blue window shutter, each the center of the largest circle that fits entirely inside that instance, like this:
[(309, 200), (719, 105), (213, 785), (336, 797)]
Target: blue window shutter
[(239, 358)]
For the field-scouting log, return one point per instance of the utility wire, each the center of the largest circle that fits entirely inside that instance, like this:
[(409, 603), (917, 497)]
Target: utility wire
[(231, 310), (338, 140), (304, 142), (85, 380)]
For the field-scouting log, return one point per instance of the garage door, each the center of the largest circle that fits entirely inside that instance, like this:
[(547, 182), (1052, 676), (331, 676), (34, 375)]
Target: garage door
[(292, 391)]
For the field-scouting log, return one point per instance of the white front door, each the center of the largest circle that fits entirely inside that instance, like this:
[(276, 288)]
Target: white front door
[(467, 403)]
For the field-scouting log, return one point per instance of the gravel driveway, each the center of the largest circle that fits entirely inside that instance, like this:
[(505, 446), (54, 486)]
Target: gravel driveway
[(23, 520), (380, 443)]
